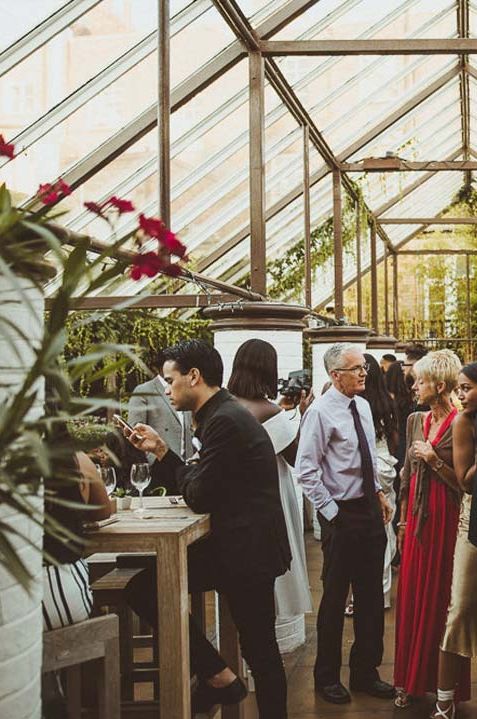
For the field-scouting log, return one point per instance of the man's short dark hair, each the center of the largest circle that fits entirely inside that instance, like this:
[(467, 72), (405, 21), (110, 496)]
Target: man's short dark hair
[(389, 358), (415, 351), (199, 354)]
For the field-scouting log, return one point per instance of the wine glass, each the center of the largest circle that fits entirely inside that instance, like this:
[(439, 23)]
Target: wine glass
[(140, 478), (108, 475)]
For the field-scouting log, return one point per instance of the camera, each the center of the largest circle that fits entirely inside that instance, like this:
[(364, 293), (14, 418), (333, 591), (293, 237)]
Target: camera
[(297, 381)]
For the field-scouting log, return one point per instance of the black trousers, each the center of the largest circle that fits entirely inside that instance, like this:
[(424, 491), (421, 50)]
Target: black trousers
[(252, 606), (353, 553)]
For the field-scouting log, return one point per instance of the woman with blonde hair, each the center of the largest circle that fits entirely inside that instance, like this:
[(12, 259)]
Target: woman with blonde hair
[(430, 499)]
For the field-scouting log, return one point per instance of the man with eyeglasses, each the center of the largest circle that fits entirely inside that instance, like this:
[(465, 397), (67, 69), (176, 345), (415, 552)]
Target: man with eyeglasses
[(336, 465)]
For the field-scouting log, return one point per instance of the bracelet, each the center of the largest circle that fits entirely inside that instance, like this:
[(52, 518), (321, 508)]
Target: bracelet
[(401, 524)]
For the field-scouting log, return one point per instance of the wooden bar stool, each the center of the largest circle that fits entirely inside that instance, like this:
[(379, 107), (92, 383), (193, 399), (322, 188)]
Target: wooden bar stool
[(108, 592), (67, 648)]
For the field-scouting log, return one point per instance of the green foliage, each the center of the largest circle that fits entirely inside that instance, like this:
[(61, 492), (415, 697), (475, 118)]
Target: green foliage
[(143, 329), (442, 280), (287, 273), (33, 443)]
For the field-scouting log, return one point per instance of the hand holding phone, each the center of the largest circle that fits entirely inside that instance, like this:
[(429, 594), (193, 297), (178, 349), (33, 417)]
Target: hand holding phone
[(124, 425)]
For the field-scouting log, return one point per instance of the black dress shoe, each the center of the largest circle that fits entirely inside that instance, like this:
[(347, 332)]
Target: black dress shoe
[(334, 693), (375, 688), (205, 696)]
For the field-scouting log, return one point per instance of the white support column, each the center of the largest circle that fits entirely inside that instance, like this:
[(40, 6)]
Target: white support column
[(379, 345)]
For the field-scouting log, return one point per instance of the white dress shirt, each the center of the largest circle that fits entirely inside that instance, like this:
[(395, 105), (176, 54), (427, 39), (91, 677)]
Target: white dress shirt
[(328, 463)]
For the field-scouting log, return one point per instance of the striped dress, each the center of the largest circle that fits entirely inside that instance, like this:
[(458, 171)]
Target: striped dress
[(67, 597)]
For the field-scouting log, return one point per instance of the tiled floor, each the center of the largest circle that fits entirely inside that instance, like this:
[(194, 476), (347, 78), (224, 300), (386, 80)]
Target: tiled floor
[(304, 704)]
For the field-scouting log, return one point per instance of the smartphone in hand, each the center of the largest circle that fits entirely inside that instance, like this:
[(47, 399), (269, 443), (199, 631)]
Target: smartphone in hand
[(124, 425)]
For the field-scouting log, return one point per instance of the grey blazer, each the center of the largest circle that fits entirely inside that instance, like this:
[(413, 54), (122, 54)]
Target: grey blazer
[(150, 405)]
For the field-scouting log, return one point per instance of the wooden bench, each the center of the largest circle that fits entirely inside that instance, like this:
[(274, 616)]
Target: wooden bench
[(67, 648)]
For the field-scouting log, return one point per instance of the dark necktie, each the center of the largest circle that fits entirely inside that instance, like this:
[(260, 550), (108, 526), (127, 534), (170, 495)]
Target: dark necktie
[(367, 468)]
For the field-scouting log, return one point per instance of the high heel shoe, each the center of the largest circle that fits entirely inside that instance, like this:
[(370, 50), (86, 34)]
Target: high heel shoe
[(440, 713)]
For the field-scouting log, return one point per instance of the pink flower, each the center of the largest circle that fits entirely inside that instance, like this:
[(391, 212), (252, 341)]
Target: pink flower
[(150, 225), (155, 227), (173, 270), (50, 194), (6, 149), (63, 188), (147, 264), (94, 207), (172, 243), (121, 206), (47, 194)]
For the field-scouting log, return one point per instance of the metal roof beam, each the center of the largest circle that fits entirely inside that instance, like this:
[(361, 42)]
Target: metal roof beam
[(428, 220), (397, 165), (294, 194), (376, 46)]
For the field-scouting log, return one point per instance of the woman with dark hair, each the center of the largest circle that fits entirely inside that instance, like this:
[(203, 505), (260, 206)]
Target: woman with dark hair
[(254, 382), (402, 397), (459, 642), (383, 409)]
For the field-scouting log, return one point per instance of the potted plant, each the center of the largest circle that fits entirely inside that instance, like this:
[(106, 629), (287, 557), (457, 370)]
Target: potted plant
[(32, 250)]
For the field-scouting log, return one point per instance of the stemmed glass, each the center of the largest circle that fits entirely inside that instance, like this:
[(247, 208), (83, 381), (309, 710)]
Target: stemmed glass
[(140, 478), (108, 475)]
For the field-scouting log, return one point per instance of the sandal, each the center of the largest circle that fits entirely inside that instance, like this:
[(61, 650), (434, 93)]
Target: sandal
[(403, 700), (349, 609), (439, 713)]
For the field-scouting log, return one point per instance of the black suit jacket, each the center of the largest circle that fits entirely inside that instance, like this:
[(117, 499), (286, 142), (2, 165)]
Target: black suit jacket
[(236, 481)]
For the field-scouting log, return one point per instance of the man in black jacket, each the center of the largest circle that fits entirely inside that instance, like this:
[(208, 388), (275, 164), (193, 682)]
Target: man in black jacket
[(233, 476)]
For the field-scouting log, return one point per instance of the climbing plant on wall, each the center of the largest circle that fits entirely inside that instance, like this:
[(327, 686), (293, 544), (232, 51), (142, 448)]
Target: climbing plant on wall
[(287, 273), (142, 328)]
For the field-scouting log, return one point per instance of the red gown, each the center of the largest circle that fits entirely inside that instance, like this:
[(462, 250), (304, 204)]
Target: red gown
[(424, 588)]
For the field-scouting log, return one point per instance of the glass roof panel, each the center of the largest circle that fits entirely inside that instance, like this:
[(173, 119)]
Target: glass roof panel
[(329, 19), (19, 18), (83, 131), (208, 35)]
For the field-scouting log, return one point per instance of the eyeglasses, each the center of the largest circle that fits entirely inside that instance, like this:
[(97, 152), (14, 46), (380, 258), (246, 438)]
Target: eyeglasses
[(406, 364), (359, 369)]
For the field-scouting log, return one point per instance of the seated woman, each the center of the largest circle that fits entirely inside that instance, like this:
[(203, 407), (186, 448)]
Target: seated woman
[(254, 382), (67, 598)]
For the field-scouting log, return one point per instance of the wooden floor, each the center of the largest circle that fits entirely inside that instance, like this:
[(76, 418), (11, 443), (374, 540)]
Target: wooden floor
[(302, 701)]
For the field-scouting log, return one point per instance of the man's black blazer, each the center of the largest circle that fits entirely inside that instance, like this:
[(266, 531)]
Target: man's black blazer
[(236, 481)]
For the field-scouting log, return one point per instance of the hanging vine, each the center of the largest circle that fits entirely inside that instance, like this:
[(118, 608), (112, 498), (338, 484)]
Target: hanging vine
[(287, 272)]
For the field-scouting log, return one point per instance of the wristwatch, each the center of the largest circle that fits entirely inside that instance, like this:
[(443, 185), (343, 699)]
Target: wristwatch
[(437, 465)]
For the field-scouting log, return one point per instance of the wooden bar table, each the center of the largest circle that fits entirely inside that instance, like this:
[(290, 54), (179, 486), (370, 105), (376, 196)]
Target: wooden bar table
[(166, 530)]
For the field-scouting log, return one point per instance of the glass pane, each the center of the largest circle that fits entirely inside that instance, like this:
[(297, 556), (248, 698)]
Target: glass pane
[(18, 18), (91, 125)]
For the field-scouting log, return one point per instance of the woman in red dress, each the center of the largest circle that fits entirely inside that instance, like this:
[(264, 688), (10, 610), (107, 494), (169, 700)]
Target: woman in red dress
[(430, 499)]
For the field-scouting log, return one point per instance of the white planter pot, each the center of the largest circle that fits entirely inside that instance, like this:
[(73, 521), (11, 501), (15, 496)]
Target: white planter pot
[(123, 502), (21, 624)]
